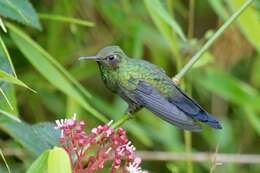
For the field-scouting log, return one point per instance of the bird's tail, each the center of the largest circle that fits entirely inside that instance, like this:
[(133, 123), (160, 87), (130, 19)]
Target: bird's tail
[(205, 117)]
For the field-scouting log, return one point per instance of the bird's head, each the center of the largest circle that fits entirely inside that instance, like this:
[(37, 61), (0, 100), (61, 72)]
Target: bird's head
[(110, 57)]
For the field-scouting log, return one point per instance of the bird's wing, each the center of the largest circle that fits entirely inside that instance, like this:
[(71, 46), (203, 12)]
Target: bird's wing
[(184, 102), (149, 97)]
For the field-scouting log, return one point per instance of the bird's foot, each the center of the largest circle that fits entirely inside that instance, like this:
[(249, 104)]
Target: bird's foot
[(129, 114), (176, 81)]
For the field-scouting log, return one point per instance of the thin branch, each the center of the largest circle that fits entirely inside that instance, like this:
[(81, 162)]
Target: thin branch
[(187, 134), (216, 35), (121, 121), (201, 157), (167, 156)]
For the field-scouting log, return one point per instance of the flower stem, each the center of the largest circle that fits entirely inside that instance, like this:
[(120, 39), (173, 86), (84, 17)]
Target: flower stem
[(216, 35), (121, 121)]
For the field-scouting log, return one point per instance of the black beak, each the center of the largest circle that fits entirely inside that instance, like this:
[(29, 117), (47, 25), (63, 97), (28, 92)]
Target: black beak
[(95, 58)]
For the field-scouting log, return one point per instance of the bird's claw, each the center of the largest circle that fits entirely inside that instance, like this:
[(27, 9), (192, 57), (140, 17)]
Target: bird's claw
[(129, 115), (176, 81)]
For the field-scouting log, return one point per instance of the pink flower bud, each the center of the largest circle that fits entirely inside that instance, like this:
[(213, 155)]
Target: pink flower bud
[(78, 129), (105, 127), (82, 124), (117, 161), (123, 139), (121, 131), (100, 128), (137, 161), (94, 131), (109, 132), (71, 123)]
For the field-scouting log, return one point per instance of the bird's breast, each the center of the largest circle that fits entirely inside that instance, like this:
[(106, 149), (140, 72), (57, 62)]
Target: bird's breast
[(109, 79)]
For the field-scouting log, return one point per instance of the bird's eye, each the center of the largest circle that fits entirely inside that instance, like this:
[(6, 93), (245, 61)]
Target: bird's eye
[(111, 57)]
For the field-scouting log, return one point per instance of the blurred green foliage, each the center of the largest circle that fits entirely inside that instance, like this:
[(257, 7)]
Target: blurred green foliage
[(41, 51)]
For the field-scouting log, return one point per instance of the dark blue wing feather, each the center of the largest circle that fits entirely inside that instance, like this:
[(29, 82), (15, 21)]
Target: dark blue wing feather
[(193, 109), (150, 98)]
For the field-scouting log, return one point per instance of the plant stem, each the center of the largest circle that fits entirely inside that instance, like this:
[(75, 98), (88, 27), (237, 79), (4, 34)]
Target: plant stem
[(188, 146), (216, 35), (121, 121), (187, 134)]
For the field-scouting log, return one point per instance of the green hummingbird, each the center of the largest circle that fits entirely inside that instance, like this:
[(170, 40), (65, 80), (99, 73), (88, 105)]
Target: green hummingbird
[(142, 84)]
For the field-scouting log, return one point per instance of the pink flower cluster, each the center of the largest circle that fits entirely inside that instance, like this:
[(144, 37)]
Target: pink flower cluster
[(108, 144)]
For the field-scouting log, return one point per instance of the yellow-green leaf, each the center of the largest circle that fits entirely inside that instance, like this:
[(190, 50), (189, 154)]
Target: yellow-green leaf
[(58, 161)]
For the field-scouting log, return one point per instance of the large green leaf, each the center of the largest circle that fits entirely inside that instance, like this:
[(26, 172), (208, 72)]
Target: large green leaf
[(58, 161), (40, 165), (50, 68), (249, 22), (36, 138), (21, 11)]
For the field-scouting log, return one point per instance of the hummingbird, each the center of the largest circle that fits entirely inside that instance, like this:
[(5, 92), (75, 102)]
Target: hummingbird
[(145, 85)]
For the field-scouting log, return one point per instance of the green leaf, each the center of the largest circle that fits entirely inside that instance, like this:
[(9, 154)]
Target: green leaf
[(21, 11), (47, 132), (51, 69), (249, 22), (66, 19), (40, 164), (157, 9), (58, 161), (35, 139), (10, 78)]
